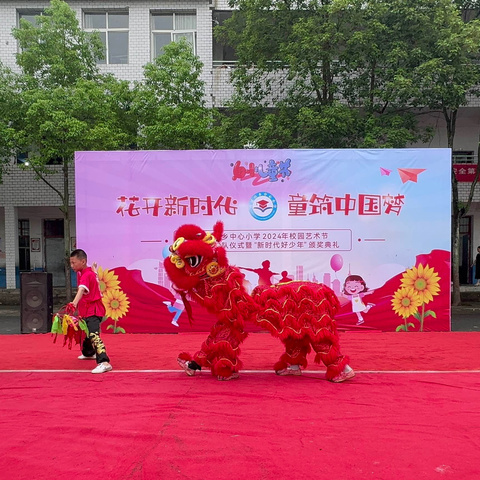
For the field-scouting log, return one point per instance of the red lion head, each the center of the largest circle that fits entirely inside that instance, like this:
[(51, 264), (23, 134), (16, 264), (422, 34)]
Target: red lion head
[(195, 255)]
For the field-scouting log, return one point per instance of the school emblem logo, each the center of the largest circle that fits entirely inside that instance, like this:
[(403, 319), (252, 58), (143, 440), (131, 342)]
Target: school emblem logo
[(263, 206)]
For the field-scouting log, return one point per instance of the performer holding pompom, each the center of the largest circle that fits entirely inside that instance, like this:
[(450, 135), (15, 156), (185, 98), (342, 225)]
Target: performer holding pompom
[(88, 300)]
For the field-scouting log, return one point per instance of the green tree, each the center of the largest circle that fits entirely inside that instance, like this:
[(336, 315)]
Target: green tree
[(237, 126), (56, 51), (8, 109), (295, 56), (169, 103), (65, 104)]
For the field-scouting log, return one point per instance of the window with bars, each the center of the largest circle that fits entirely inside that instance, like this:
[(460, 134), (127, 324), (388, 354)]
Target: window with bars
[(170, 27), (464, 225), (23, 245), (463, 156), (113, 28)]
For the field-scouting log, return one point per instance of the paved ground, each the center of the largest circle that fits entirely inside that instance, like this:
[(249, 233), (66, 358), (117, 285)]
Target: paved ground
[(10, 319), (464, 319)]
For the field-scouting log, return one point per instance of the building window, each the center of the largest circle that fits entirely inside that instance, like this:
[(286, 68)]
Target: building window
[(24, 245), (29, 16), (54, 228), (23, 159), (222, 54), (112, 26), (171, 27), (464, 225)]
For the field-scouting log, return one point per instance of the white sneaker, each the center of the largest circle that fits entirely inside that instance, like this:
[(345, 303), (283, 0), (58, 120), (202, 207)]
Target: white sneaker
[(83, 357), (347, 374), (186, 366), (102, 368), (233, 376), (289, 371)]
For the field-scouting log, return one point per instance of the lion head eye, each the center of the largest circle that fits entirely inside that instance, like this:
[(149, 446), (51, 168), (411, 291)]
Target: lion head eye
[(194, 260)]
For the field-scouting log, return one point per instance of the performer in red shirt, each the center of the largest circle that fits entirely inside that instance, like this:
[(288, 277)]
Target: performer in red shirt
[(88, 300)]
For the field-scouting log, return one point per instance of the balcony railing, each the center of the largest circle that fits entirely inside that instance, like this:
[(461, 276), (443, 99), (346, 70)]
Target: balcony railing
[(466, 157)]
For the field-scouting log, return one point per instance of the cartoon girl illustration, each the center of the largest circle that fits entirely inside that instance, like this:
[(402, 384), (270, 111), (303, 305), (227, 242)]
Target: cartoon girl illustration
[(177, 307), (355, 289)]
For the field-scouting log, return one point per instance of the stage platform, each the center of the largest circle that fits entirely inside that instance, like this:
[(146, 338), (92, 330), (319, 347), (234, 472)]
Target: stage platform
[(411, 412)]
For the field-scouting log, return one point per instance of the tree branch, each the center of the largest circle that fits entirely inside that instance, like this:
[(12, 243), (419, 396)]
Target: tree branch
[(41, 177)]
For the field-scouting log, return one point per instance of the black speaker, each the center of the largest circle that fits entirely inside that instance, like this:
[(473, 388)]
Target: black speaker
[(36, 302)]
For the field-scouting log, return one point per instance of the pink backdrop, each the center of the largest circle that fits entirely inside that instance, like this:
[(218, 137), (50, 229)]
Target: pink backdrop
[(316, 215)]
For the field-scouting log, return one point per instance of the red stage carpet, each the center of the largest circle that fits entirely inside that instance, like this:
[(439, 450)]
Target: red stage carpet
[(412, 412)]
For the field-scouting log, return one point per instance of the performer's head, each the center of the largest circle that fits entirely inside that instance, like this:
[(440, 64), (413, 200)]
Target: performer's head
[(78, 260)]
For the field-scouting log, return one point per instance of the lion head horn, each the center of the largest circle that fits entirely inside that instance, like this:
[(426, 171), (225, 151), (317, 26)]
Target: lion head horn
[(218, 231)]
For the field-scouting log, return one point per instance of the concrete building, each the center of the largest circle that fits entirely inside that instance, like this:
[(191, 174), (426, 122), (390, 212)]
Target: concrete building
[(31, 225)]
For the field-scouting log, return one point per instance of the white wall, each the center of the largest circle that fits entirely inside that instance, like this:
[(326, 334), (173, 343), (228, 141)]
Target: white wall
[(139, 32)]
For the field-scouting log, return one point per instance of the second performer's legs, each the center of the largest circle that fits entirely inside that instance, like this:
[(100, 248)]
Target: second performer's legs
[(295, 356), (327, 348), (93, 344)]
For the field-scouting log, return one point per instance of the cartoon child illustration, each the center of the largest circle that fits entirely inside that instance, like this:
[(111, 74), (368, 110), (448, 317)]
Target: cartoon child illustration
[(355, 289), (177, 308)]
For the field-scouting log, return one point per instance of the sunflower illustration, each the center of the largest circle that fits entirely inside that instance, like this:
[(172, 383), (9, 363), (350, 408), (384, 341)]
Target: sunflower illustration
[(116, 304), (418, 287), (424, 280), (107, 280), (405, 302)]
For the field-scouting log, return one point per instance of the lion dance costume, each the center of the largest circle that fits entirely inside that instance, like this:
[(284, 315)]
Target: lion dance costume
[(300, 314)]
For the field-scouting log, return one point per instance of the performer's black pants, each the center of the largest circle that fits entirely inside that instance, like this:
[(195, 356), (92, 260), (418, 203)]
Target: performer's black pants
[(93, 344)]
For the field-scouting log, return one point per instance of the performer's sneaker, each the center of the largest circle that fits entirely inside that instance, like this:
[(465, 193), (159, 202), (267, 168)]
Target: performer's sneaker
[(185, 365), (289, 371), (233, 376), (102, 368), (83, 357), (347, 374)]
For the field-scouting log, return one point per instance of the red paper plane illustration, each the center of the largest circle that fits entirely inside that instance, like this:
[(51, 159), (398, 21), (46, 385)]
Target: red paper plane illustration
[(385, 171), (410, 174)]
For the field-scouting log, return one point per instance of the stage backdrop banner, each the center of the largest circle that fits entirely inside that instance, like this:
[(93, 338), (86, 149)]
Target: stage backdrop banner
[(374, 225)]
